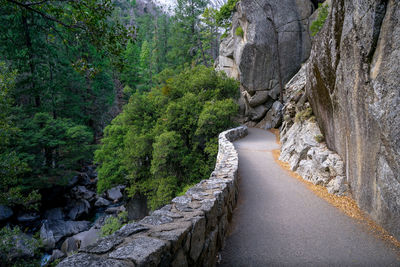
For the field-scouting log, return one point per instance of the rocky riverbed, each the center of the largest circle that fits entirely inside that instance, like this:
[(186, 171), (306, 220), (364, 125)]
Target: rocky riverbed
[(70, 218)]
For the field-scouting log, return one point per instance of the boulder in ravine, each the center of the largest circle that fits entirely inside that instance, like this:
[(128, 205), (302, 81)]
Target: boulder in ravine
[(137, 208), (81, 192), (270, 28), (5, 212), (80, 241), (55, 255), (102, 202), (73, 181), (115, 210), (84, 179), (353, 87), (53, 231), (114, 194), (78, 208)]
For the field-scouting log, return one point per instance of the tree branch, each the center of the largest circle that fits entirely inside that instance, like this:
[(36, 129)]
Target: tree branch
[(46, 16)]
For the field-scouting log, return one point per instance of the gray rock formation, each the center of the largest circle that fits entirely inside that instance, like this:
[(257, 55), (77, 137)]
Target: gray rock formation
[(53, 231), (78, 208), (81, 192), (114, 193), (252, 58), (102, 202), (187, 232), (302, 141), (80, 241), (55, 255), (353, 87)]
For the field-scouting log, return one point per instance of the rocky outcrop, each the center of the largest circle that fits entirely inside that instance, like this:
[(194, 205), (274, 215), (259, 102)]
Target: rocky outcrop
[(303, 145), (353, 87), (53, 231), (187, 232), (270, 28)]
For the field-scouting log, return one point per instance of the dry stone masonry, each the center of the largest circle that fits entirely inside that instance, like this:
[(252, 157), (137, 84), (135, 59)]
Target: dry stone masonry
[(188, 232)]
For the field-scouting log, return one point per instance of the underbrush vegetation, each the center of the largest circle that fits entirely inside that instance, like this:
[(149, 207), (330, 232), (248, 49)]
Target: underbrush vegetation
[(304, 115), (317, 25), (167, 138), (112, 224), (239, 31)]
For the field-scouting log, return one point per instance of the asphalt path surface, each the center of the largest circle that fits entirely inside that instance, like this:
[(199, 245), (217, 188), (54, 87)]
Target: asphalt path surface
[(279, 222)]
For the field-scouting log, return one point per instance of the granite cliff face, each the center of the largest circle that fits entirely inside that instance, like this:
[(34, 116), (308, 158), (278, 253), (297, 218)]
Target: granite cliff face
[(353, 87), (270, 27), (350, 84), (303, 145)]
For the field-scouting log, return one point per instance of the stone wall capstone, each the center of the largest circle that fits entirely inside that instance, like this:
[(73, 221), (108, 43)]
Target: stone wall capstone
[(188, 232)]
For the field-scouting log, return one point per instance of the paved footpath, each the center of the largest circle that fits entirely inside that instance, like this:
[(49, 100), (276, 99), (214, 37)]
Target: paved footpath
[(279, 222)]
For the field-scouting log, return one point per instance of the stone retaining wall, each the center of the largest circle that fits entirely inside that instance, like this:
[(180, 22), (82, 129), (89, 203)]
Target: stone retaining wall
[(188, 232)]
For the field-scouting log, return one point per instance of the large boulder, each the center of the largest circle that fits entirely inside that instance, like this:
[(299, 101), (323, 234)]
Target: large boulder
[(80, 241), (137, 208), (353, 86), (5, 212), (102, 202), (55, 255), (53, 231), (78, 208), (270, 27), (114, 193), (81, 192)]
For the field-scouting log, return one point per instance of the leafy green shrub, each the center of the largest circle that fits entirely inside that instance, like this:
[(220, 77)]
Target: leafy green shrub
[(319, 138), (113, 224), (317, 25), (304, 115), (239, 31), (223, 16)]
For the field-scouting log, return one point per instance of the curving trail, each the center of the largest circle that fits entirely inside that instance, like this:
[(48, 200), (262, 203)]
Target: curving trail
[(279, 222)]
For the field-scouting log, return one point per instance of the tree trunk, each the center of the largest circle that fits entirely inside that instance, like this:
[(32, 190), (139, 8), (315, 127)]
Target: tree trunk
[(28, 43)]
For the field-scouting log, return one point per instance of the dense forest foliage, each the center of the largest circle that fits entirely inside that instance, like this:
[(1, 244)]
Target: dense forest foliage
[(68, 67), (166, 139)]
